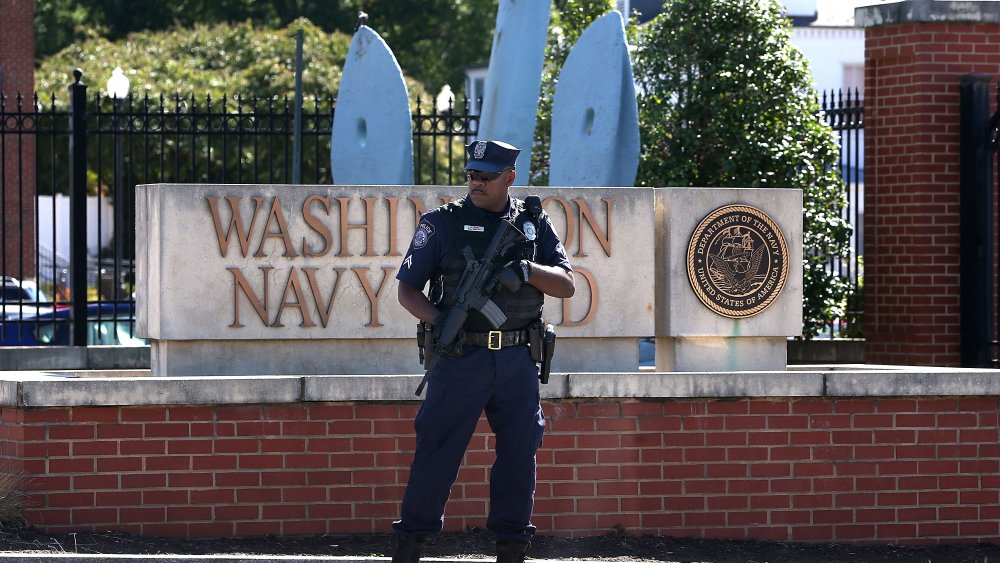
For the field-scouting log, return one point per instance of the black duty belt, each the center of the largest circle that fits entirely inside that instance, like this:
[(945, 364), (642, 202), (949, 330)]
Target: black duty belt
[(496, 339)]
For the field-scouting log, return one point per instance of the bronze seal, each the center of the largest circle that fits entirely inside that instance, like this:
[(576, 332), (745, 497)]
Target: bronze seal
[(737, 261)]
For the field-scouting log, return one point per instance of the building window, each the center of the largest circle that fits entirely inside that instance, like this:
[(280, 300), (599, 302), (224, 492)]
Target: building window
[(475, 86), (854, 79)]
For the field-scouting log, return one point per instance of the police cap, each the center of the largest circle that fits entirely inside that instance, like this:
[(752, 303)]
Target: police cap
[(490, 156)]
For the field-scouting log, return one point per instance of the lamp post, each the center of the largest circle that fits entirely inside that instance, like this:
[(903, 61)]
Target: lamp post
[(117, 87), (445, 100)]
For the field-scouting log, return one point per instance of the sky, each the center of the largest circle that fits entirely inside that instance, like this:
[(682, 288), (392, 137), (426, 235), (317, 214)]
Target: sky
[(841, 12)]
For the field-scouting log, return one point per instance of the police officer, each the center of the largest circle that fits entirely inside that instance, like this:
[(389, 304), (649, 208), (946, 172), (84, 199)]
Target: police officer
[(487, 371)]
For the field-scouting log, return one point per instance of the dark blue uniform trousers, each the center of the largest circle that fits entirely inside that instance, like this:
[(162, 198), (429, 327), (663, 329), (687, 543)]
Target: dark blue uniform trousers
[(504, 383)]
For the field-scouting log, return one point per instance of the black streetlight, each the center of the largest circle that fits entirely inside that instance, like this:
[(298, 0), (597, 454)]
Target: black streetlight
[(118, 86)]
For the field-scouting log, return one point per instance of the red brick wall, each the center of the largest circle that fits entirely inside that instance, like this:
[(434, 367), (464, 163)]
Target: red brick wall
[(919, 470), (17, 181), (912, 186)]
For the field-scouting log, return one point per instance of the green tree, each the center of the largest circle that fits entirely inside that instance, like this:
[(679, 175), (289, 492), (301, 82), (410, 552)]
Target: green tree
[(568, 21), (432, 39), (178, 72), (726, 100), (206, 60), (59, 23), (116, 19)]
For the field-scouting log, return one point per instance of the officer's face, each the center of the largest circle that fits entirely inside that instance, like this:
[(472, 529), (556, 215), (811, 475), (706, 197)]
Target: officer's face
[(490, 195)]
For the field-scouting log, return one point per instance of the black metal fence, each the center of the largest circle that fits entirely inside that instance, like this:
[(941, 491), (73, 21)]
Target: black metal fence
[(116, 144), (845, 112)]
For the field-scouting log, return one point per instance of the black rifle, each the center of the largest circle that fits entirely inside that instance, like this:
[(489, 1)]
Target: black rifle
[(473, 292)]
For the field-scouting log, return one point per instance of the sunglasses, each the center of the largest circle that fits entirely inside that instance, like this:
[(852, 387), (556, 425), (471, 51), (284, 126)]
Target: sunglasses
[(477, 176)]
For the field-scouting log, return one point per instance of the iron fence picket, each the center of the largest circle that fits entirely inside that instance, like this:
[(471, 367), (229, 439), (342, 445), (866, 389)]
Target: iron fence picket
[(844, 113)]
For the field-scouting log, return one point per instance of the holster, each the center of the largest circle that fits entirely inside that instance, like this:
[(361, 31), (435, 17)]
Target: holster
[(549, 348), (425, 344), (536, 341), (421, 334), (542, 343)]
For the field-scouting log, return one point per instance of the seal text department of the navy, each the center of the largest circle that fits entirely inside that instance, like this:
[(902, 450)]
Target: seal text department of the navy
[(737, 261)]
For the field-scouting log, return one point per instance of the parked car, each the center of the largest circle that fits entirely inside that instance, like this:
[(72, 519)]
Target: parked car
[(647, 352), (107, 324), (22, 298), (16, 290)]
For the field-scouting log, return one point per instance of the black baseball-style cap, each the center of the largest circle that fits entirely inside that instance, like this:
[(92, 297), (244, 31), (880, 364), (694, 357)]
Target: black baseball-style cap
[(490, 156)]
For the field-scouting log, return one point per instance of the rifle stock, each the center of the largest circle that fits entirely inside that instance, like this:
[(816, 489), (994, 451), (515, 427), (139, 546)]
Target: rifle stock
[(450, 327)]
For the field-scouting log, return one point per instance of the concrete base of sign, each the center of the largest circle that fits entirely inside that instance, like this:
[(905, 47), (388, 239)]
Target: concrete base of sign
[(354, 357), (576, 355), (283, 357), (721, 354)]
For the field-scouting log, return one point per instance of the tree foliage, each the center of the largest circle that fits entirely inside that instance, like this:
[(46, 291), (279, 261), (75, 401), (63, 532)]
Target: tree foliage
[(205, 60), (727, 101), (432, 39), (569, 19), (435, 39), (179, 73)]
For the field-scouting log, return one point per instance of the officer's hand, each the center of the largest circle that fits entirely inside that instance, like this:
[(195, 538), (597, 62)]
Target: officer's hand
[(452, 348), (512, 276), (438, 326)]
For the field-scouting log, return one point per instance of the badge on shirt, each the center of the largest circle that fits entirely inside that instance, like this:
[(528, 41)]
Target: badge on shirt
[(475, 228), (529, 230), (423, 234)]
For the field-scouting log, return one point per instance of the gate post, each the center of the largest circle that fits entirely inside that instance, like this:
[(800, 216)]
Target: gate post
[(915, 53), (976, 221), (78, 208)]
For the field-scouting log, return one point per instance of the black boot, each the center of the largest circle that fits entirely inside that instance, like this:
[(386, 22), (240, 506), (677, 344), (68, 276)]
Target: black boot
[(408, 549), (511, 551)]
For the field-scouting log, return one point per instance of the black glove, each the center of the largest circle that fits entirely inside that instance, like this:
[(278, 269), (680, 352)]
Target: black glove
[(512, 276), (453, 348)]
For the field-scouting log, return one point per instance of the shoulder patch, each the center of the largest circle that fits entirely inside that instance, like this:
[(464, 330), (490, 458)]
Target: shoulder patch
[(424, 233)]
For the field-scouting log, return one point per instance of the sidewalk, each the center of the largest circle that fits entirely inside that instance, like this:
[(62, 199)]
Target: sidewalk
[(104, 558)]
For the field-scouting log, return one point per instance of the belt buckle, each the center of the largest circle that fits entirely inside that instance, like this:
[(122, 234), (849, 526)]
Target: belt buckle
[(495, 341)]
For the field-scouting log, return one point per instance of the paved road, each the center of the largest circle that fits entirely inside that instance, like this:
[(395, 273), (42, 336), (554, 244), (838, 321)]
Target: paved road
[(102, 558)]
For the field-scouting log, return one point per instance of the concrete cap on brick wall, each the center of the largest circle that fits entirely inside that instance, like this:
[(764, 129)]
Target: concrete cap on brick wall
[(68, 389), (927, 11)]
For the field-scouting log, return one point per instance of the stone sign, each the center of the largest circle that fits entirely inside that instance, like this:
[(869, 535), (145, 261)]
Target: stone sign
[(301, 279), (294, 280)]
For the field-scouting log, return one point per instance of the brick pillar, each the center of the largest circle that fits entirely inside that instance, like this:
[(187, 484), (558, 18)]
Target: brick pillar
[(915, 52), (17, 176)]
